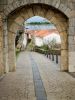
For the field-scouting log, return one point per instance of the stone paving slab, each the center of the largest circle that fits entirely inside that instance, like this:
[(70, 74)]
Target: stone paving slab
[(19, 85), (58, 85), (38, 84)]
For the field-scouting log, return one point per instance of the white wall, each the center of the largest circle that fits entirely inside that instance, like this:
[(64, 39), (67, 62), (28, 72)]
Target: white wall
[(38, 41), (25, 40), (51, 37)]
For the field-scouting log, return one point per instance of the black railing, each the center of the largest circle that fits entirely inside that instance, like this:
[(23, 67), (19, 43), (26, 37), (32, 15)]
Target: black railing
[(51, 54), (53, 57)]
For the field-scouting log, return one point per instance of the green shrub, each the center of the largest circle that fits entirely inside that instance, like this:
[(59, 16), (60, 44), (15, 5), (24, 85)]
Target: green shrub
[(17, 52), (46, 50)]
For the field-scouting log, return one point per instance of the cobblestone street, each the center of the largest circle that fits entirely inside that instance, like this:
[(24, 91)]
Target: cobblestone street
[(37, 78)]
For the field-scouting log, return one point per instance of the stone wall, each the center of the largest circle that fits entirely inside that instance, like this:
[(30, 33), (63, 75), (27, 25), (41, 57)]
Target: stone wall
[(1, 47), (61, 11), (71, 44), (53, 15)]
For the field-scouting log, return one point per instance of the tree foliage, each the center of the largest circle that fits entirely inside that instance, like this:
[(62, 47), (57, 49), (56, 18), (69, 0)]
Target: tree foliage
[(38, 23)]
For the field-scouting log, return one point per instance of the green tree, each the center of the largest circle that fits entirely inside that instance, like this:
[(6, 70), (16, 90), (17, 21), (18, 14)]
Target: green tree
[(52, 44)]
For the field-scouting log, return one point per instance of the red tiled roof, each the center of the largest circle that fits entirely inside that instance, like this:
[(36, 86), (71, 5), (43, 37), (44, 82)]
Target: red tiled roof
[(42, 33)]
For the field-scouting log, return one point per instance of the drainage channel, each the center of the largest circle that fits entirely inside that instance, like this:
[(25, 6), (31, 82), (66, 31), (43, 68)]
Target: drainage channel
[(38, 84)]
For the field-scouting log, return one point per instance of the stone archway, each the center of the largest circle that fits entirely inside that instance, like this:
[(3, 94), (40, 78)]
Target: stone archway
[(16, 19), (61, 15)]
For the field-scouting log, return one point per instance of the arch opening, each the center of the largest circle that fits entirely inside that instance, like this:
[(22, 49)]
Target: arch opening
[(16, 22), (43, 38)]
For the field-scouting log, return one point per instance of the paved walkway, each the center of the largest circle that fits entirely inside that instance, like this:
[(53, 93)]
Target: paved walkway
[(37, 78)]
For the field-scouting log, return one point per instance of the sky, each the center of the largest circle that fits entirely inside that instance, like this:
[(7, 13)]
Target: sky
[(36, 19)]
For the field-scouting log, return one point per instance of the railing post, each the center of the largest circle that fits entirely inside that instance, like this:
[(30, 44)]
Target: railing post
[(56, 58), (52, 57), (49, 56)]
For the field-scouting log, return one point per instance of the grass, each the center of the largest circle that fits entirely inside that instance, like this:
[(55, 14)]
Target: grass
[(17, 52)]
